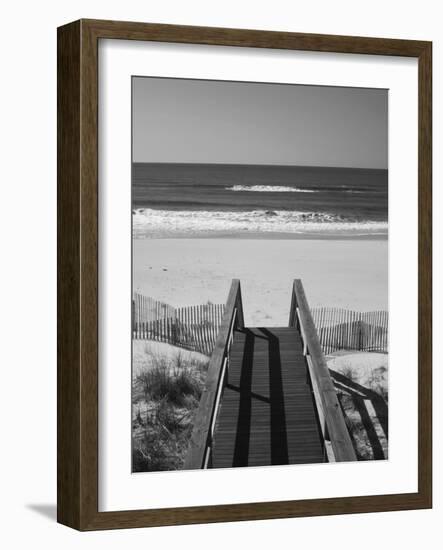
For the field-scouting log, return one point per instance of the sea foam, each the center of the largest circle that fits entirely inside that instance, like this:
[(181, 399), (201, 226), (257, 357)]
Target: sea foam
[(269, 189), (149, 222)]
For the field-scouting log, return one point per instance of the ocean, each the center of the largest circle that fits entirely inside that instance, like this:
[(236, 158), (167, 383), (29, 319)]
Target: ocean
[(221, 200)]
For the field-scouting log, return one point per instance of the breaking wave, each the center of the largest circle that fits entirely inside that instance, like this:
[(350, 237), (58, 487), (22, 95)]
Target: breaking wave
[(269, 189), (149, 222)]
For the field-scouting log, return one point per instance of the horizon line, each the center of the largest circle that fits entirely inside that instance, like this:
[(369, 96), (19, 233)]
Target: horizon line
[(260, 164)]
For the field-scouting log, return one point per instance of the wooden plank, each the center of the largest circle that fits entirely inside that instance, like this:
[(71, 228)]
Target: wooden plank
[(247, 432)]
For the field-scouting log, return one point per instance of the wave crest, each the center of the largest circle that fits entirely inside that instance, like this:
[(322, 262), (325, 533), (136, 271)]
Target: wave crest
[(269, 189)]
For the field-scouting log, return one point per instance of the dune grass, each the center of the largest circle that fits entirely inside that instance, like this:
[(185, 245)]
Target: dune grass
[(167, 393)]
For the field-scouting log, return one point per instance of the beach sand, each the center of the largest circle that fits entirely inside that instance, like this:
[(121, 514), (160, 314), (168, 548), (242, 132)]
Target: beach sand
[(349, 273)]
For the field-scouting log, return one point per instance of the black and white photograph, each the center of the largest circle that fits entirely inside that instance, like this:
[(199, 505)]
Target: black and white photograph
[(219, 274), (259, 274)]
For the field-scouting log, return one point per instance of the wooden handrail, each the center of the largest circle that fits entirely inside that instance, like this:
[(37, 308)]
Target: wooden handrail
[(200, 445), (330, 415)]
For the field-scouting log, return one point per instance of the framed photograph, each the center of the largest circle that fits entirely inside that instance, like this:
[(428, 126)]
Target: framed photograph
[(244, 274)]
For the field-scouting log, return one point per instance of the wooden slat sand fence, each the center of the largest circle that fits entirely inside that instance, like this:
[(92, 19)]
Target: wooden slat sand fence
[(343, 329), (193, 327), (147, 309)]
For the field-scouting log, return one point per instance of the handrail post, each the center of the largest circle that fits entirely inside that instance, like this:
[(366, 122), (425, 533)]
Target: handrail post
[(293, 309), (240, 321)]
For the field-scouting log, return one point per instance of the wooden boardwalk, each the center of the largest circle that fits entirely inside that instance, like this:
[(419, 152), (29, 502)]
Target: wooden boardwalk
[(268, 397), (267, 415)]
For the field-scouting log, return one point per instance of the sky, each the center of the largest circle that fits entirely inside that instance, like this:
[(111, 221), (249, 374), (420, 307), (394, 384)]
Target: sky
[(201, 121)]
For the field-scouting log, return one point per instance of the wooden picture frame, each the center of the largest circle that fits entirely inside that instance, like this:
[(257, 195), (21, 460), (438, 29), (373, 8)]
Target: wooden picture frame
[(78, 274)]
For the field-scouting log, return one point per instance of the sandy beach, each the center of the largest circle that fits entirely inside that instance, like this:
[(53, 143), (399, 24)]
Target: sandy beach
[(349, 273)]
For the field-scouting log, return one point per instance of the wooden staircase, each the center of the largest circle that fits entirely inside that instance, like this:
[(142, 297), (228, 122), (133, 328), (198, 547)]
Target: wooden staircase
[(268, 397)]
